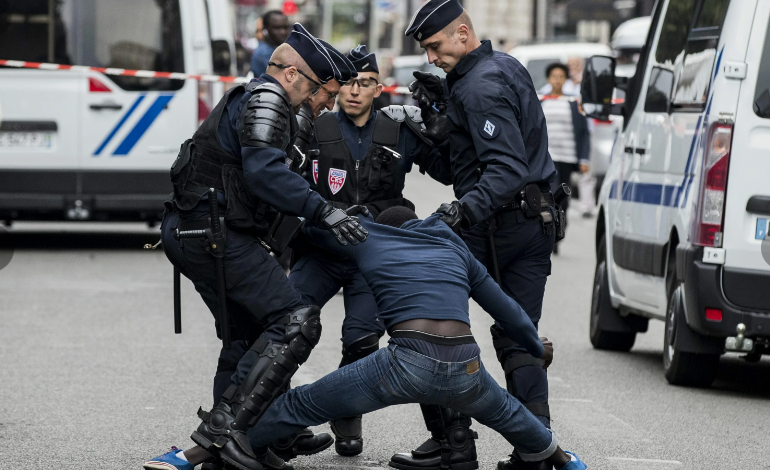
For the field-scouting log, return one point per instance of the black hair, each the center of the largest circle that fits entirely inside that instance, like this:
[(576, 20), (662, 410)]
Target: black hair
[(396, 216), (554, 66), (268, 15)]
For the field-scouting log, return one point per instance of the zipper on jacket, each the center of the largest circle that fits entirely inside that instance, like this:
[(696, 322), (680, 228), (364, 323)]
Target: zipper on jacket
[(357, 182)]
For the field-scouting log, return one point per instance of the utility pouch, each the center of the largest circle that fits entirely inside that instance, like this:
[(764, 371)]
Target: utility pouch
[(530, 201), (282, 232), (240, 204), (560, 223), (547, 221)]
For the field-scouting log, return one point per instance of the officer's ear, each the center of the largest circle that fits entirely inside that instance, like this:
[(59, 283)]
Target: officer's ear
[(378, 90), (463, 32)]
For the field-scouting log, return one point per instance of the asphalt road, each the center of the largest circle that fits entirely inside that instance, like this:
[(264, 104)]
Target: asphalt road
[(92, 376)]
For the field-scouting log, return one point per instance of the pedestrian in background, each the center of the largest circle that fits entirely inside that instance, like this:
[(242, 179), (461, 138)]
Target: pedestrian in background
[(274, 33), (568, 137)]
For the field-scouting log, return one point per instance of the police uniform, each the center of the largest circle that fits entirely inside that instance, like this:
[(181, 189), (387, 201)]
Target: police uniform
[(353, 165), (498, 148), (241, 150)]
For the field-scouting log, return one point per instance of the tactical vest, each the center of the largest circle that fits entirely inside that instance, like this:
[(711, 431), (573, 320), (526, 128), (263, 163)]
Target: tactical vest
[(202, 163), (370, 181)]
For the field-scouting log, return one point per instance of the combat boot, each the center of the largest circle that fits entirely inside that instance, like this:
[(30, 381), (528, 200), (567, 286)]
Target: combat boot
[(266, 457), (301, 443), (454, 449), (348, 441), (515, 463)]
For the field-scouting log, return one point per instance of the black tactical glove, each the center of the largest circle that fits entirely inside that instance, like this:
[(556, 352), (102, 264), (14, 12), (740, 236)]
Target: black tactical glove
[(427, 90), (345, 228), (353, 211), (452, 215)]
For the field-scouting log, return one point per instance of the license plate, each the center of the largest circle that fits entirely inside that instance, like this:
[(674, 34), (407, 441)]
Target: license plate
[(26, 139)]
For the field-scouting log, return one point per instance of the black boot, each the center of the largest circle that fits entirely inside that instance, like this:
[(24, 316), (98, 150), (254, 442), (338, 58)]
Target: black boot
[(348, 441), (216, 435), (301, 443), (266, 457), (451, 446), (515, 463)]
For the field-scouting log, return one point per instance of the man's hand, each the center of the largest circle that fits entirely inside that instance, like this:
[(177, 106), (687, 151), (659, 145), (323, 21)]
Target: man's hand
[(353, 211), (451, 214), (548, 352), (345, 228), (584, 167), (427, 90)]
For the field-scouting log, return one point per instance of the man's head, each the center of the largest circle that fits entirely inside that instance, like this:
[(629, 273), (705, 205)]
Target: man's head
[(357, 95), (275, 27), (556, 74), (444, 29), (575, 65), (326, 98), (396, 216), (303, 65)]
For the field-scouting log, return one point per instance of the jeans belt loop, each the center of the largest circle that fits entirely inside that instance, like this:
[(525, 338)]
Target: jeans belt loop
[(436, 368)]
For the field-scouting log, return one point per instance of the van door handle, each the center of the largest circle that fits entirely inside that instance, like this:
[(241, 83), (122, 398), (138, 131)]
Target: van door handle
[(758, 205), (628, 150), (641, 151), (100, 106)]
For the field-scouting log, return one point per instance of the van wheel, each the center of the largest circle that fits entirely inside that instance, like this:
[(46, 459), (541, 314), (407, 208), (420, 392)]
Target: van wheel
[(602, 306), (684, 368)]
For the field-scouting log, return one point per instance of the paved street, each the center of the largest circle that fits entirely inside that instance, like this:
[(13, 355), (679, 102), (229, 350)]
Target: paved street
[(94, 378)]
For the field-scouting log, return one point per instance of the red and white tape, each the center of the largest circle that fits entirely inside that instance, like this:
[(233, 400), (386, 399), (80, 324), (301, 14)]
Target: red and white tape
[(150, 73)]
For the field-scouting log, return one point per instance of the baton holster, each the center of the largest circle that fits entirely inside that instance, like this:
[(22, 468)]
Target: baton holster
[(216, 236)]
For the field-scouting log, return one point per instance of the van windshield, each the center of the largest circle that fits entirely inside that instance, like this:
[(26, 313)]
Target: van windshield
[(140, 34), (762, 93)]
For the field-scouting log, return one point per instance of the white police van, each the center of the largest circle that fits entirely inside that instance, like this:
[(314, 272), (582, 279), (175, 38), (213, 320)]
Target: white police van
[(82, 145), (684, 208)]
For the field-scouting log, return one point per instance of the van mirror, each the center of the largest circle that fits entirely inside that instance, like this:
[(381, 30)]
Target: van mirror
[(597, 87), (659, 92)]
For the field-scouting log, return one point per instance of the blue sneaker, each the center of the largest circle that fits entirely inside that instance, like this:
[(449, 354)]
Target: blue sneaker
[(168, 461), (575, 464)]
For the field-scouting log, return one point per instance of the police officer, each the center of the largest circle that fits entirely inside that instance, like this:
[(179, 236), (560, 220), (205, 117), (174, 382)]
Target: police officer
[(241, 150), (360, 156), (505, 212)]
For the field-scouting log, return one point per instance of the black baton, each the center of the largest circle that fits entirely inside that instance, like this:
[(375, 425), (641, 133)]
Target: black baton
[(492, 250), (177, 302), (218, 251)]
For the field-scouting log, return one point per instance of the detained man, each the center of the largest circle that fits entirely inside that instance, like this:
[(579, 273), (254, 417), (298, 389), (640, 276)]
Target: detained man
[(422, 274)]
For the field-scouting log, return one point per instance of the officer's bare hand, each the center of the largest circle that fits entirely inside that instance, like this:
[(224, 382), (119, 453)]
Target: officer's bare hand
[(346, 229), (548, 351)]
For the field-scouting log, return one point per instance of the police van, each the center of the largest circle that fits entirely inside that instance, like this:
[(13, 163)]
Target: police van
[(81, 145), (684, 208)]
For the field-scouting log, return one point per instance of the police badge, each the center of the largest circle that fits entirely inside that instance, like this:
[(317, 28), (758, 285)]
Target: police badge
[(315, 171), (336, 179)]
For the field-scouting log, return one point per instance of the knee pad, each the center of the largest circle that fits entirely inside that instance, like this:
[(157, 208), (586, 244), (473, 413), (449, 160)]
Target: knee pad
[(359, 349), (303, 331), (511, 362)]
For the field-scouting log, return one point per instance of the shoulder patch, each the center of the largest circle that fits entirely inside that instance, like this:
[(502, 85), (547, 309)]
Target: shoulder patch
[(395, 112), (490, 129)]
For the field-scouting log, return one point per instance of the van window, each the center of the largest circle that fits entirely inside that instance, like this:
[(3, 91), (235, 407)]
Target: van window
[(674, 31), (695, 75), (762, 93), (140, 34)]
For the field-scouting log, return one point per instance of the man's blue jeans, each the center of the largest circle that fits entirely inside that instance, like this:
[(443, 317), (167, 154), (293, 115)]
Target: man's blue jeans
[(396, 375)]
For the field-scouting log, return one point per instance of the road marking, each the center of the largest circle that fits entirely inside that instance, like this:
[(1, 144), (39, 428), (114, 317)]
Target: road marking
[(575, 400), (618, 420), (629, 459), (149, 407)]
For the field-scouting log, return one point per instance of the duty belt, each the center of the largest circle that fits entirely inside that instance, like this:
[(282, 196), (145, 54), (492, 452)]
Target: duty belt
[(546, 199)]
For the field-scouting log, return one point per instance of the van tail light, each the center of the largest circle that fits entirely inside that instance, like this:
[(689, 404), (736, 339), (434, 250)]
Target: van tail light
[(710, 213), (95, 86), (205, 98)]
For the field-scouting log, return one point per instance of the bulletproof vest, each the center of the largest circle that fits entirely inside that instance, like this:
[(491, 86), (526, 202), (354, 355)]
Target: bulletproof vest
[(203, 163), (370, 181)]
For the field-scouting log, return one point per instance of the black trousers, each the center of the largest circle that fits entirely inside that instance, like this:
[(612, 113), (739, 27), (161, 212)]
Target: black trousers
[(259, 295), (524, 257)]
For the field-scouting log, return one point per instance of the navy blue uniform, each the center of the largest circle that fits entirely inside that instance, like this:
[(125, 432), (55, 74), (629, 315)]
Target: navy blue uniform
[(498, 145), (319, 275), (258, 292)]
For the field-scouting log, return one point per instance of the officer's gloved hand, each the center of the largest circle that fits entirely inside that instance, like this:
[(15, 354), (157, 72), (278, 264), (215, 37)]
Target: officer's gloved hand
[(353, 211), (547, 351), (427, 90), (451, 214), (345, 228)]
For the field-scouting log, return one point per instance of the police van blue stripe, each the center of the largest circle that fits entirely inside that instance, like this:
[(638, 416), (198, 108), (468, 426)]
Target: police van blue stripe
[(142, 125), (119, 125)]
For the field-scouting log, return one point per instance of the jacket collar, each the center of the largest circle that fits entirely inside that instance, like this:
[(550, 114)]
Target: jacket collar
[(470, 60), (343, 116)]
